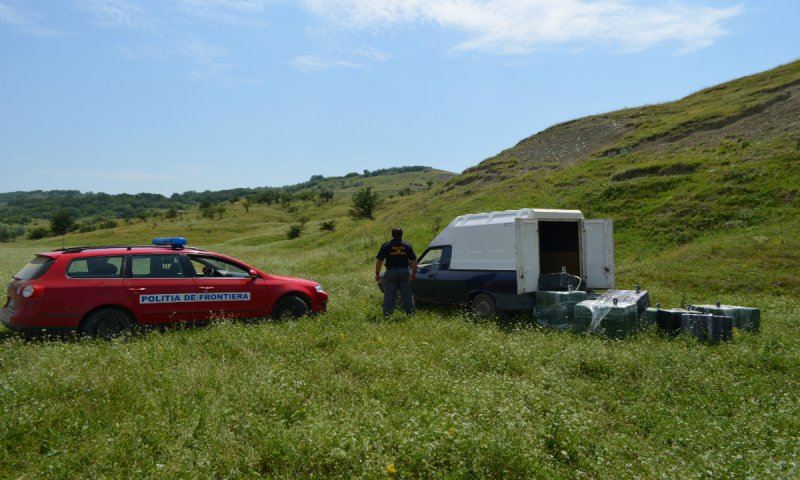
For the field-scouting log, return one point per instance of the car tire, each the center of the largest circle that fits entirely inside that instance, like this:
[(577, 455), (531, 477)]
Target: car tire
[(483, 305), (106, 323), (290, 306)]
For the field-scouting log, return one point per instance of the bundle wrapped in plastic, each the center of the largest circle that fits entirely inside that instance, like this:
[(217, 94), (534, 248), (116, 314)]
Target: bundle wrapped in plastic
[(607, 316), (707, 327), (744, 318), (638, 296), (557, 309), (667, 320)]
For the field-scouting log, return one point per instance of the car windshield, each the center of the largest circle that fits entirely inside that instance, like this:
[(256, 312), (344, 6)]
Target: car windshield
[(35, 269)]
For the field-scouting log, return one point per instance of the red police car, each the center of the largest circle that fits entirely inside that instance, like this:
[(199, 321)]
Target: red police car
[(102, 291)]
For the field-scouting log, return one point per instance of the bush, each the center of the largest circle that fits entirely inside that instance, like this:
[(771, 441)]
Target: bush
[(294, 231), (8, 234), (364, 204), (329, 226), (38, 233), (62, 222)]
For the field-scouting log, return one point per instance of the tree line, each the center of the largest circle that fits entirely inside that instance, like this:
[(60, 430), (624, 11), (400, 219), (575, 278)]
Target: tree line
[(21, 208), (74, 211)]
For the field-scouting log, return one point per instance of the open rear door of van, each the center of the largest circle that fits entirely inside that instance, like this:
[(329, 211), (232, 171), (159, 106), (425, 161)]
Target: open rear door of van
[(598, 253), (526, 231)]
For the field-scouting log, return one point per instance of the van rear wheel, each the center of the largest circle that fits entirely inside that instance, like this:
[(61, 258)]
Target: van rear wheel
[(483, 305)]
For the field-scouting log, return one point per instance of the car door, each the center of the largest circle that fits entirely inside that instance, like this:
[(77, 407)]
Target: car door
[(160, 288), (227, 289), (433, 261)]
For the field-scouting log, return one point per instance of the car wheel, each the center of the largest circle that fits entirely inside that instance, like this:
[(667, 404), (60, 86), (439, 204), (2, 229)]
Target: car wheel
[(106, 323), (290, 306), (483, 305)]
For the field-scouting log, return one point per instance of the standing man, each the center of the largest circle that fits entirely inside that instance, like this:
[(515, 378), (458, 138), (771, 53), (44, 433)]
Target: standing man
[(399, 256)]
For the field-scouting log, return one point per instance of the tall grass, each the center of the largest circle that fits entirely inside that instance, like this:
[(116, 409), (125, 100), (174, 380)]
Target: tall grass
[(348, 394)]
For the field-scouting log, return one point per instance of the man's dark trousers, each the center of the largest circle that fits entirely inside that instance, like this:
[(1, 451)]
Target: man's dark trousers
[(393, 280)]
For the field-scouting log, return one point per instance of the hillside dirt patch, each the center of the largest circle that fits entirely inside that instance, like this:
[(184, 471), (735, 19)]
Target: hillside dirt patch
[(776, 119), (569, 142)]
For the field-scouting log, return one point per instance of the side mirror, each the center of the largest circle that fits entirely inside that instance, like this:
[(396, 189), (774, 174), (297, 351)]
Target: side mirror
[(253, 273)]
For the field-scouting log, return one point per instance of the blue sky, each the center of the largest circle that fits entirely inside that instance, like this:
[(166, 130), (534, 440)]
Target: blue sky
[(173, 95)]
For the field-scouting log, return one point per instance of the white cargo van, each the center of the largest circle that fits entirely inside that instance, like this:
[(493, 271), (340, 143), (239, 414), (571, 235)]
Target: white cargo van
[(493, 261)]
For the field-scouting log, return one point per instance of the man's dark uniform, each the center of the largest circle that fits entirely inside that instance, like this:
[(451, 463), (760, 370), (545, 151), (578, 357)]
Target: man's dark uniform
[(398, 256)]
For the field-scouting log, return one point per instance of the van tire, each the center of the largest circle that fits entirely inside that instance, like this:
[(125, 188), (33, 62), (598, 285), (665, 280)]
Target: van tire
[(291, 306), (483, 305), (106, 323)]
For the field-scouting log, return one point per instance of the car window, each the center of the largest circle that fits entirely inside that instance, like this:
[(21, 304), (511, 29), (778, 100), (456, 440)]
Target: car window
[(157, 266), (35, 268), (438, 257), (95, 267), (207, 266)]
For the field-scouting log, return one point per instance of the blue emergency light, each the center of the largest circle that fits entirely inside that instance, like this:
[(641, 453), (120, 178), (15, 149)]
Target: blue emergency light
[(175, 242)]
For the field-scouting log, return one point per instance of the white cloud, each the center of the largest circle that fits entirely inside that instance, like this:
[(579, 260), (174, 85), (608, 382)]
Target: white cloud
[(207, 57), (238, 12), (310, 63), (24, 22), (210, 65), (522, 26), (244, 6), (117, 13), (364, 58)]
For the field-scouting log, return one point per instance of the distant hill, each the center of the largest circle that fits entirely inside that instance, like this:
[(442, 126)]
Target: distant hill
[(24, 207)]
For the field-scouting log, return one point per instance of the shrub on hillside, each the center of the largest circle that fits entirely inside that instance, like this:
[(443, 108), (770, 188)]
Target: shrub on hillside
[(38, 233), (364, 203), (294, 231), (9, 234), (329, 226)]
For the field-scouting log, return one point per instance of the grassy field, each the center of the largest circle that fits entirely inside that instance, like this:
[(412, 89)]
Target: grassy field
[(348, 394)]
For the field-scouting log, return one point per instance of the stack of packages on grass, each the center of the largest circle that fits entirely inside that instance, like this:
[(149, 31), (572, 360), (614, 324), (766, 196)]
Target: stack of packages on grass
[(557, 309), (708, 323), (614, 314), (743, 318)]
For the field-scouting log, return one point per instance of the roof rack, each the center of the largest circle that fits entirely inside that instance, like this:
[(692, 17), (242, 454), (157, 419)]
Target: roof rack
[(126, 247)]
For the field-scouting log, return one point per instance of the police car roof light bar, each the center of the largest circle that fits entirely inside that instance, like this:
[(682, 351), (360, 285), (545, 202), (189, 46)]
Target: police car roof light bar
[(177, 243)]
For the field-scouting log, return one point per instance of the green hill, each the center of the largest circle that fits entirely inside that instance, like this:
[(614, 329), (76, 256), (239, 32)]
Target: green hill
[(704, 195), (717, 171)]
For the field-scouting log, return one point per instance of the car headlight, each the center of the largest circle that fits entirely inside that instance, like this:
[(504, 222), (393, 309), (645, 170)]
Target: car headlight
[(319, 289)]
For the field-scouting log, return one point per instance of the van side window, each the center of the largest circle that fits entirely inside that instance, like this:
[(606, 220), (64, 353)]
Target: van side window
[(436, 258)]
